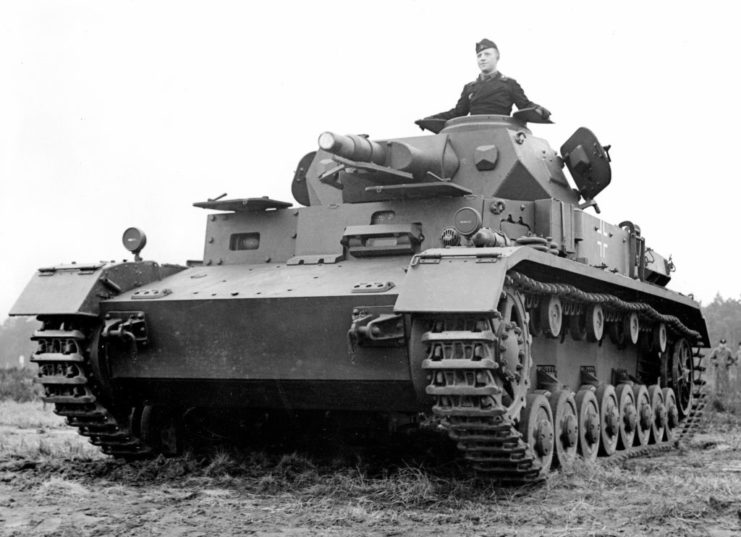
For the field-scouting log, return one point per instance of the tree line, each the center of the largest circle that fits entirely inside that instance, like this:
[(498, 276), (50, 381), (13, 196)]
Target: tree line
[(15, 334), (724, 320)]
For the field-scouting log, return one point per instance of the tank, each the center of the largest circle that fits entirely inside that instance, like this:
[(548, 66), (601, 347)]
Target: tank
[(457, 281)]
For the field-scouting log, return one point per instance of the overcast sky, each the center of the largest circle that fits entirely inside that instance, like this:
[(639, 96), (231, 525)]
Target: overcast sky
[(118, 114)]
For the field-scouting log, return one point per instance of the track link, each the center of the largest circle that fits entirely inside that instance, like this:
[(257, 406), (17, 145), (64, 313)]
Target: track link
[(63, 354), (468, 381)]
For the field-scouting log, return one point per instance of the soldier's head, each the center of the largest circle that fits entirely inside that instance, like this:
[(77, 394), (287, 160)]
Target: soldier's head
[(487, 56), (722, 341)]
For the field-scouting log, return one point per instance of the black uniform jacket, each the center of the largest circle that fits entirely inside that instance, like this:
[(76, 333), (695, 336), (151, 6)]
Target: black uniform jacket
[(488, 94)]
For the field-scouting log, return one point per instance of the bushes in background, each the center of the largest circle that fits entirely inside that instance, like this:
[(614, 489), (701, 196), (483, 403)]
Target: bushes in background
[(17, 384)]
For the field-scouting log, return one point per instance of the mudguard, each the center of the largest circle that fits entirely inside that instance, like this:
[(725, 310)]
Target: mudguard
[(462, 280), (470, 280), (79, 288)]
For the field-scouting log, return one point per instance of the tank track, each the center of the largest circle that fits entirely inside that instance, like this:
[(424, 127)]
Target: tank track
[(461, 368), (64, 347)]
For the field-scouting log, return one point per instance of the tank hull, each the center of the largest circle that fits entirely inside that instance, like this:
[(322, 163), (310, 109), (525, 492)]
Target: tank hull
[(453, 282), (276, 336)]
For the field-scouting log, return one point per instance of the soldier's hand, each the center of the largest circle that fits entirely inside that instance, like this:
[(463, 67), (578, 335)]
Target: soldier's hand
[(544, 112)]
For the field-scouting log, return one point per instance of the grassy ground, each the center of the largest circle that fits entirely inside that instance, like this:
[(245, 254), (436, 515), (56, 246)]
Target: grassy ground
[(31, 432), (53, 483)]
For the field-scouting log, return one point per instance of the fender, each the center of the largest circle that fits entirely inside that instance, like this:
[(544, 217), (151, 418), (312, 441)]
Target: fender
[(461, 280), (79, 288), (470, 280)]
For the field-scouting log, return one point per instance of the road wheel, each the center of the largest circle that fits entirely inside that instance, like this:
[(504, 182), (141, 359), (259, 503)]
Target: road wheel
[(628, 415), (658, 411), (565, 426), (609, 417), (537, 430), (672, 413), (645, 414), (589, 423)]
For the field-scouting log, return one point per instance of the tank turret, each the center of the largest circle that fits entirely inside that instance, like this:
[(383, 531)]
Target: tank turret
[(481, 155)]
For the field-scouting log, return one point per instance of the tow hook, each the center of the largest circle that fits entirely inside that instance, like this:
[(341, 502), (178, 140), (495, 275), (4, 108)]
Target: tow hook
[(126, 326), (375, 327)]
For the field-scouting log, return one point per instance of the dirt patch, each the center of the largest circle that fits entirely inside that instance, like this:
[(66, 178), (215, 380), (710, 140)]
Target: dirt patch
[(53, 483)]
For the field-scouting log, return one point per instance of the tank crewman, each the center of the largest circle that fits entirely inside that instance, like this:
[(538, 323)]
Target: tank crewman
[(721, 359), (491, 92)]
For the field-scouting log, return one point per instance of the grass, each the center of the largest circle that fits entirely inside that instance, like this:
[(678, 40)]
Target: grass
[(677, 493), (32, 432), (30, 415)]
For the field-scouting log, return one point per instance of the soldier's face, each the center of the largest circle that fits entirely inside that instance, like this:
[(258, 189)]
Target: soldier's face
[(487, 60)]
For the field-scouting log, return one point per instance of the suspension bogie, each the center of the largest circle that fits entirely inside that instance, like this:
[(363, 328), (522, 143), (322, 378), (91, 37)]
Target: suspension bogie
[(631, 368), (558, 373)]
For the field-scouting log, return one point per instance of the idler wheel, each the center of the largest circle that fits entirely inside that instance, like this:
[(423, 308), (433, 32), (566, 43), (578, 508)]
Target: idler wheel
[(628, 415), (658, 412), (588, 424), (609, 418), (672, 413), (537, 430), (565, 426), (551, 316), (683, 365), (645, 415)]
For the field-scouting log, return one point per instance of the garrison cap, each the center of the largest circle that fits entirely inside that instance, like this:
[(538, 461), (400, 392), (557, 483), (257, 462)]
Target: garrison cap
[(723, 340), (485, 43)]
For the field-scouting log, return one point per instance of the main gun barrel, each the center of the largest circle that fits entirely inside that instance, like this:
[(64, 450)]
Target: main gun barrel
[(352, 147)]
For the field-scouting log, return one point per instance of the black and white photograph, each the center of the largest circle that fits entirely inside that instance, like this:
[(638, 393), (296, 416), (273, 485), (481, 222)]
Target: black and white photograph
[(399, 268)]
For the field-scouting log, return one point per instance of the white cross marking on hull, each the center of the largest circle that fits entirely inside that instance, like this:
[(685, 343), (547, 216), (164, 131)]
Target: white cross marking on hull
[(602, 244)]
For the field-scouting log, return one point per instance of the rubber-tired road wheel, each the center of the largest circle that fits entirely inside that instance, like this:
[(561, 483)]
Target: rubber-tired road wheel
[(658, 411), (628, 415), (537, 430), (565, 426), (672, 413), (645, 414), (609, 418), (589, 423)]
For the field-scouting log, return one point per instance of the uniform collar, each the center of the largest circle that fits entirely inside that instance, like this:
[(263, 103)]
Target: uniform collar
[(491, 76)]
